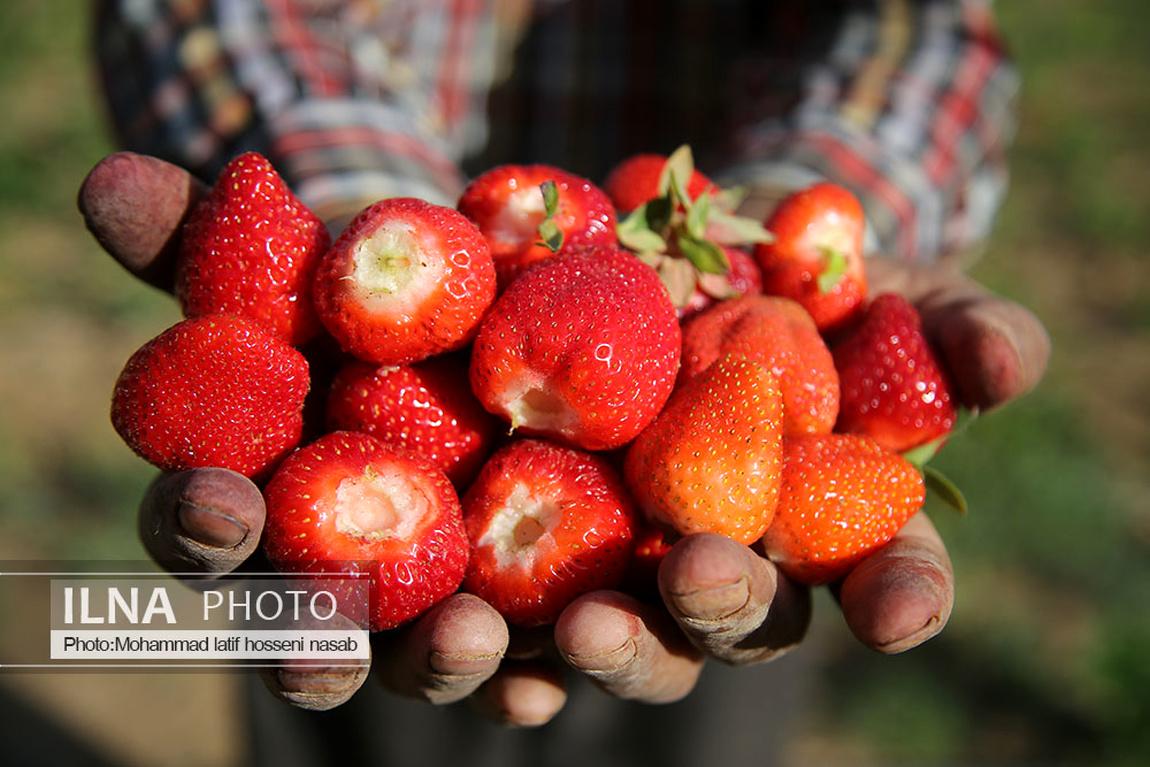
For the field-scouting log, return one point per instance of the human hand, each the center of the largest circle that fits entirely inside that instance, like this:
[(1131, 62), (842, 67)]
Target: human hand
[(721, 599)]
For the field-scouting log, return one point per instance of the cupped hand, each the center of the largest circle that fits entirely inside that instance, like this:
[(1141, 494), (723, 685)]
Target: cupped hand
[(721, 599)]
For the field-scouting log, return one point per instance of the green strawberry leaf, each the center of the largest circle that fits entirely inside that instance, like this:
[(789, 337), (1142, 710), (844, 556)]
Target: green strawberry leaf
[(922, 454), (943, 488), (717, 286), (680, 166), (703, 254), (728, 200), (636, 233), (729, 229), (834, 268), (679, 277), (698, 213), (551, 236)]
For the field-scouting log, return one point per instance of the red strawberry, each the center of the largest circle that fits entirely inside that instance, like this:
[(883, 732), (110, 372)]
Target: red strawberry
[(639, 179), (525, 219), (686, 229), (817, 256), (778, 333), (349, 503), (893, 387), (426, 408), (547, 524), (405, 281), (642, 578), (582, 348), (218, 390), (710, 462), (843, 497), (251, 247)]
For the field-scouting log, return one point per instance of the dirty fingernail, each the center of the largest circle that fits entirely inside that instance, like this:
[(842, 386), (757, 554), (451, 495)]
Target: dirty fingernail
[(713, 602), (209, 526)]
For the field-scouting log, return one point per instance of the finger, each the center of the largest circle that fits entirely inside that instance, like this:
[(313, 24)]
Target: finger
[(522, 694), (1008, 345), (902, 595), (446, 654), (731, 602), (201, 520), (629, 649), (134, 205), (317, 686), (995, 349)]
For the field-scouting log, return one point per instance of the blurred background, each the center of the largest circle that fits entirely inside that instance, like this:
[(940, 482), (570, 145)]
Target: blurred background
[(1046, 659)]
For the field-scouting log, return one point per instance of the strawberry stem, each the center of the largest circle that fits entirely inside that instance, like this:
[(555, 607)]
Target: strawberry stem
[(551, 236), (834, 269)]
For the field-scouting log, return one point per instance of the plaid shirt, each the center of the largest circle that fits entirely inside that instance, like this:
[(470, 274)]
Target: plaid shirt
[(910, 104)]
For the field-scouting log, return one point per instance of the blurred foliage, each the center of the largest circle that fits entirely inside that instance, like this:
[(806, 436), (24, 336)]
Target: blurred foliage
[(1044, 659)]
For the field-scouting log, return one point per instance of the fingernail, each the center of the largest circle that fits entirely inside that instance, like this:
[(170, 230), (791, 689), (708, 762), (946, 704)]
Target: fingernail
[(714, 602), (606, 662), (928, 630), (209, 526), (462, 664)]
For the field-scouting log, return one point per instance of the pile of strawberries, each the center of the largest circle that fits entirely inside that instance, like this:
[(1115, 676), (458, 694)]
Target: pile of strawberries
[(533, 394)]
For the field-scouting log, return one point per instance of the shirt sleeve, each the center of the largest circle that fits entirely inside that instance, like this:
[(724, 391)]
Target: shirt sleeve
[(912, 105), (351, 100)]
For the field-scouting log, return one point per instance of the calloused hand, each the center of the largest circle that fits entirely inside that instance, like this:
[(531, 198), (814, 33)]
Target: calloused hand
[(721, 599)]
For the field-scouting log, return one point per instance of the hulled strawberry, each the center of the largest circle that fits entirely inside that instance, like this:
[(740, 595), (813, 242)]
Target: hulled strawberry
[(816, 257), (547, 524), (582, 348), (219, 390), (843, 497), (406, 280), (779, 334), (348, 503), (531, 212), (894, 388), (711, 460), (251, 247), (426, 408)]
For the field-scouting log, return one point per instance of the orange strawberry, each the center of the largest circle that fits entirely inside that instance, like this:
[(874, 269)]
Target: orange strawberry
[(711, 461), (843, 497), (778, 333)]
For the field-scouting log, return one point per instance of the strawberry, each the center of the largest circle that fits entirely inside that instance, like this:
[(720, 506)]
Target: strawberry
[(686, 229), (710, 462), (640, 178), (547, 524), (779, 334), (426, 407), (894, 389), (843, 497), (251, 247), (817, 254), (583, 348), (406, 280), (642, 577), (219, 390), (349, 503), (531, 212)]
